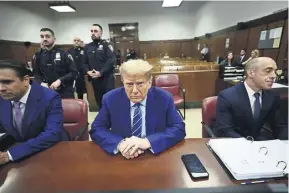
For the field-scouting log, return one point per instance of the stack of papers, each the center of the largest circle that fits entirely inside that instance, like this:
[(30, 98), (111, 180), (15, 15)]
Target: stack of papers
[(252, 160)]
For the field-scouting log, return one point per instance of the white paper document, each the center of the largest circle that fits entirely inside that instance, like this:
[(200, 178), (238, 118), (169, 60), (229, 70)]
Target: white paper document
[(252, 160)]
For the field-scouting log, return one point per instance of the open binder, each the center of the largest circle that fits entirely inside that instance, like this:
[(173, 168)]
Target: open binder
[(249, 159)]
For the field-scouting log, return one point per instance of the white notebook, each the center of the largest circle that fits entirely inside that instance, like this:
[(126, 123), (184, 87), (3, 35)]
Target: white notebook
[(252, 160)]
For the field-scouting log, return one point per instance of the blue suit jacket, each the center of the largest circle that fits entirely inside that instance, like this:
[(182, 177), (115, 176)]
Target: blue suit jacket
[(234, 117), (42, 124), (164, 126)]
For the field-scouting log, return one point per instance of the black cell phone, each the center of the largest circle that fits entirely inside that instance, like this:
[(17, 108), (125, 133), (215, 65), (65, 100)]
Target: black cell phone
[(194, 166)]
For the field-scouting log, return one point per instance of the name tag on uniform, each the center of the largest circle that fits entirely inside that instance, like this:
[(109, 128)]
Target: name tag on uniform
[(57, 56), (100, 48), (48, 64)]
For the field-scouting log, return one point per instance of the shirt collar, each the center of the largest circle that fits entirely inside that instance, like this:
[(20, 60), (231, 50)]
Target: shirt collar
[(143, 102), (250, 91), (25, 97)]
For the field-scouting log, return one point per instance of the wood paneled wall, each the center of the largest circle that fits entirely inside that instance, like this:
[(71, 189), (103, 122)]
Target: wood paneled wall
[(248, 39), (174, 48), (239, 39)]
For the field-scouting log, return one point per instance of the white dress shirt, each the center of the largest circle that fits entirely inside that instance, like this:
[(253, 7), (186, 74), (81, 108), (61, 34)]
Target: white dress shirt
[(23, 101), (252, 98)]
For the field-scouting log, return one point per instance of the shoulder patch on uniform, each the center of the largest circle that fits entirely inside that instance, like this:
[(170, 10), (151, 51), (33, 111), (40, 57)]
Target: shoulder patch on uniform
[(70, 57), (110, 47)]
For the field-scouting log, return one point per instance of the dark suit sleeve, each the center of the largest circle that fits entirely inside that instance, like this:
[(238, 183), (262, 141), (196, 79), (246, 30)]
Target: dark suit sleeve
[(278, 121), (100, 132), (85, 61), (224, 126), (173, 133), (73, 73), (36, 69), (52, 133), (110, 62)]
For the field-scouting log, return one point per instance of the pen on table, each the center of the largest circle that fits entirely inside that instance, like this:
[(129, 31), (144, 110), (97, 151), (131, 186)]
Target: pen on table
[(255, 182)]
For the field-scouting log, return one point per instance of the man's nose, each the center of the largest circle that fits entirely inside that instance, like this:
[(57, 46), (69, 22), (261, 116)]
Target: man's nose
[(2, 87)]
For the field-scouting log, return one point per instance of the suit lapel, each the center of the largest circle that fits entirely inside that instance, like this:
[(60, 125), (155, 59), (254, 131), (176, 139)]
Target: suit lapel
[(31, 108), (124, 114), (7, 120), (247, 105), (266, 103), (151, 113)]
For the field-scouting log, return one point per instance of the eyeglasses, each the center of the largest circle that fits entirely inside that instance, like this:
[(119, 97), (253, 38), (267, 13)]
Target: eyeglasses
[(95, 31)]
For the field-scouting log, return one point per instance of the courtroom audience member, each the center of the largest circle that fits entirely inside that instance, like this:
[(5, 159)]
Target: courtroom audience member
[(205, 53), (183, 56), (254, 54), (242, 110), (138, 116), (144, 56), (242, 57), (229, 61), (32, 114)]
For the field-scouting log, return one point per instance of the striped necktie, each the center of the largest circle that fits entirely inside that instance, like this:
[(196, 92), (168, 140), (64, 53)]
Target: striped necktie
[(137, 121)]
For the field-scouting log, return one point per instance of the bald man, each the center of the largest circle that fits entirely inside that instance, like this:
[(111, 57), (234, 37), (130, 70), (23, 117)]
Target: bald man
[(242, 110), (77, 54)]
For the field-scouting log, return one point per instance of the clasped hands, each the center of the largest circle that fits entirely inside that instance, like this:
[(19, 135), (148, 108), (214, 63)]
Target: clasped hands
[(94, 74), (132, 147), (55, 85)]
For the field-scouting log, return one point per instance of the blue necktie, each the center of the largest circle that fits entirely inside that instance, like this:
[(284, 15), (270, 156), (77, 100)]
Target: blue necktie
[(137, 121), (257, 106)]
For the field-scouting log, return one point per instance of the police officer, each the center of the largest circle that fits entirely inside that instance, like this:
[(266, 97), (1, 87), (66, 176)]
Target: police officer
[(77, 54), (54, 68), (99, 62)]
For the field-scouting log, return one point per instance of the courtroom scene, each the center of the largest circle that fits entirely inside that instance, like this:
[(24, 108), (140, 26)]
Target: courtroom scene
[(144, 96)]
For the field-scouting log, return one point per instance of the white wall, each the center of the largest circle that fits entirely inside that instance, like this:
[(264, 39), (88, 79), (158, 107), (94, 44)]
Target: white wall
[(155, 22), (217, 15), (19, 23)]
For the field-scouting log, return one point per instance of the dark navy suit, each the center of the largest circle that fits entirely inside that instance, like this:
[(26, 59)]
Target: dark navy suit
[(234, 117), (42, 124)]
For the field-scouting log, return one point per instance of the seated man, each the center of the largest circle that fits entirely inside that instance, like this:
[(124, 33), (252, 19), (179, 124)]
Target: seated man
[(137, 117), (242, 110), (32, 114)]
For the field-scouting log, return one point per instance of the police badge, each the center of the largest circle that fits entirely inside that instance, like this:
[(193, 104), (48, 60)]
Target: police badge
[(100, 47), (81, 52), (110, 47), (57, 56), (70, 57)]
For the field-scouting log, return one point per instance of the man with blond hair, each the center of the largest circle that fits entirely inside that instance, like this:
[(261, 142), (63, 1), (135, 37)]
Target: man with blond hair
[(137, 116)]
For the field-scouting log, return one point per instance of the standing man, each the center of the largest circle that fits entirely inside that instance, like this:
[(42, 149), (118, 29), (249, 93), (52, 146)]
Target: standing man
[(77, 54), (54, 67), (243, 57), (99, 62)]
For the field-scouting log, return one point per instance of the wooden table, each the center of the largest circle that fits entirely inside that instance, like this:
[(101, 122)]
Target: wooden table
[(83, 166)]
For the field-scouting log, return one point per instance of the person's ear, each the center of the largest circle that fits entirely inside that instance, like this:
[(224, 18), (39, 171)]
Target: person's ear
[(26, 80)]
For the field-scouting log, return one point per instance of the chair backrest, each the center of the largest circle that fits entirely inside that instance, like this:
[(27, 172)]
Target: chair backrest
[(208, 113), (169, 82), (75, 117)]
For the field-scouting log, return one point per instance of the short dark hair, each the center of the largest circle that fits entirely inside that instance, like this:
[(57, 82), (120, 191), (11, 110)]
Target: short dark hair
[(48, 29), (18, 67), (244, 49), (97, 26)]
